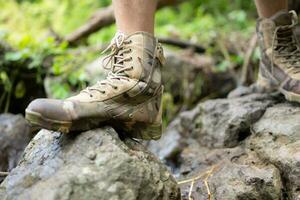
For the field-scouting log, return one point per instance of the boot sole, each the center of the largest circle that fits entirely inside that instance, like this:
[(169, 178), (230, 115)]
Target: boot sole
[(267, 82), (143, 131), (139, 130), (37, 120)]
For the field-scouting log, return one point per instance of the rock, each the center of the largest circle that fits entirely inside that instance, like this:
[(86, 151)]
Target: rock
[(214, 123), (91, 165), (243, 147), (232, 174), (276, 140), (14, 136), (240, 91), (226, 122), (190, 76), (169, 145)]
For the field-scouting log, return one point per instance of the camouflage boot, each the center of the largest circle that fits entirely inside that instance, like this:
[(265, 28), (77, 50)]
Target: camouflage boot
[(129, 99), (280, 62)]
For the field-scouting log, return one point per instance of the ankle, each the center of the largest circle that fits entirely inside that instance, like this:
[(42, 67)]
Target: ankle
[(132, 30)]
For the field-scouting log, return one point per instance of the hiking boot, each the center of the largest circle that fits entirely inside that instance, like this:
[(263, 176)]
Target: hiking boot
[(280, 62), (129, 99)]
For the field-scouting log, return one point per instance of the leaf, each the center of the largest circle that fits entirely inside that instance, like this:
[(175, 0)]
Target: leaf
[(6, 81), (20, 90), (13, 56)]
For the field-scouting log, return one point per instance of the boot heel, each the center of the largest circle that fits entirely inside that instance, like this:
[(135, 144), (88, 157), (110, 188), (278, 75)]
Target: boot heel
[(265, 79), (147, 129), (144, 131)]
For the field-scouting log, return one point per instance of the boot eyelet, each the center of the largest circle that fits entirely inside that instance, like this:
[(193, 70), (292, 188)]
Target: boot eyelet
[(131, 67), (91, 95), (116, 88), (130, 59)]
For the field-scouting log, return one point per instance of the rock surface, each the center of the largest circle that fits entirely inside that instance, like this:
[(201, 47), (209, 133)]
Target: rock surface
[(276, 139), (92, 165), (242, 148), (14, 136), (214, 123)]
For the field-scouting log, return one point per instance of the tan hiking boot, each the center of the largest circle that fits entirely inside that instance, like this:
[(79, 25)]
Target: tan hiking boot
[(280, 62), (129, 98)]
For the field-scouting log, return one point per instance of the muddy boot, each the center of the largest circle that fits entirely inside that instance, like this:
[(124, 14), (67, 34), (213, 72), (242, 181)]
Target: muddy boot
[(280, 62), (129, 99)]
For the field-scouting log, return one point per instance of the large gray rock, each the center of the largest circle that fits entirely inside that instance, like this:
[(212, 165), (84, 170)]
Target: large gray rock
[(214, 123), (276, 139), (231, 173), (226, 122), (14, 136), (248, 145), (91, 165)]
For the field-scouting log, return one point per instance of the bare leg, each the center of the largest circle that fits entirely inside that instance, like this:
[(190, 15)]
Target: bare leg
[(135, 15), (267, 8)]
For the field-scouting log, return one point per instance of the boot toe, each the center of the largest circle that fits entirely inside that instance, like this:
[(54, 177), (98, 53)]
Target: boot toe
[(49, 109)]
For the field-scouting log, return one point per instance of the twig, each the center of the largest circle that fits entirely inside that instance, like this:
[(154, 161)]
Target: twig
[(192, 179), (208, 173), (4, 173), (182, 44), (226, 55), (247, 58), (208, 190), (191, 190), (206, 181)]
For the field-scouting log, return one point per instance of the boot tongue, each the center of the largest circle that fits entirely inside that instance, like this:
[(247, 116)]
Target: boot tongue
[(282, 18)]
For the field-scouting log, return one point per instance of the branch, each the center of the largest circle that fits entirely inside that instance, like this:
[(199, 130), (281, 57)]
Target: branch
[(247, 59), (4, 173), (182, 44), (102, 18)]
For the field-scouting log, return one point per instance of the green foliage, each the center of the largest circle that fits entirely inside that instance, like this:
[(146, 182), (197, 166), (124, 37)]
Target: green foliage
[(35, 17), (202, 21), (169, 108), (40, 58)]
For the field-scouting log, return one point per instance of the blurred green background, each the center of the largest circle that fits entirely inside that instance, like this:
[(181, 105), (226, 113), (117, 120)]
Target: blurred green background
[(197, 20)]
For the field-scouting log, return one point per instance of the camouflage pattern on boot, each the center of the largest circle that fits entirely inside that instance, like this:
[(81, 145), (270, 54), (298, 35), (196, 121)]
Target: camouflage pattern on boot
[(129, 98), (280, 62)]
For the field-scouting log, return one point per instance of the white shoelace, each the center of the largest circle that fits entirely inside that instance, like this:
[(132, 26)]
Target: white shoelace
[(114, 62)]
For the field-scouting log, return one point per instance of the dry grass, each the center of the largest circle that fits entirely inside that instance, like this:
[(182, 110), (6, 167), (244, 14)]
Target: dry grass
[(205, 176)]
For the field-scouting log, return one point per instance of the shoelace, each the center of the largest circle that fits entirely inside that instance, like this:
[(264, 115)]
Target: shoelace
[(287, 45), (114, 62)]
